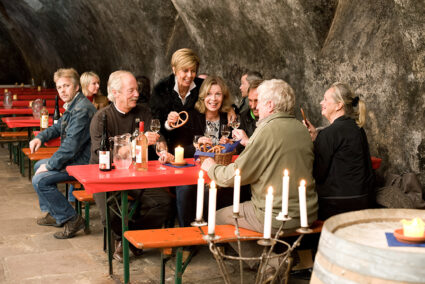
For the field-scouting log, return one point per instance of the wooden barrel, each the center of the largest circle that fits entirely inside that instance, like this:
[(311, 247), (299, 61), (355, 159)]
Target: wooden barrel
[(353, 249)]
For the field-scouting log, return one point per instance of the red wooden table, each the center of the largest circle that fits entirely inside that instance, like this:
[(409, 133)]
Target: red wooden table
[(157, 175), (55, 142), (23, 121), (30, 96), (24, 110), (26, 103)]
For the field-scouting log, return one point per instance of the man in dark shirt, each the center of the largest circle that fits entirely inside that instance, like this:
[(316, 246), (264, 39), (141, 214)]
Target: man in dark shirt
[(154, 204)]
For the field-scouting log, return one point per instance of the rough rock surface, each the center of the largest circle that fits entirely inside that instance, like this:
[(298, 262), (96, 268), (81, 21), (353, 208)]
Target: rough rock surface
[(377, 46)]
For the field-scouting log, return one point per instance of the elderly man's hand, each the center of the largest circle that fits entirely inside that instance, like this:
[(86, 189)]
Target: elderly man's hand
[(34, 145), (41, 169), (152, 137), (239, 134), (165, 157), (207, 164)]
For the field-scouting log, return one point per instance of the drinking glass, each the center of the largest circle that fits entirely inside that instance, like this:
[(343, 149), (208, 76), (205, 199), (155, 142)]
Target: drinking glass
[(236, 122), (161, 149), (155, 125), (209, 131), (225, 130), (195, 141)]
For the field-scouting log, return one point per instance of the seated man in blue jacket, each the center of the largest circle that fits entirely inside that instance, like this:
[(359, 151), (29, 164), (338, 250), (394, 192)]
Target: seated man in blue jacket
[(74, 130)]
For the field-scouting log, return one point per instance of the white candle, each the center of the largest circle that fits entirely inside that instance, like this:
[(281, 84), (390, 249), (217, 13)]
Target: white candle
[(303, 204), (236, 192), (268, 214), (285, 192), (211, 208), (178, 154), (200, 197)]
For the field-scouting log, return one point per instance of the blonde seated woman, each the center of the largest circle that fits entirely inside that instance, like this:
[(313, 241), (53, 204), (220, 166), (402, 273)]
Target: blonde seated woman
[(90, 83)]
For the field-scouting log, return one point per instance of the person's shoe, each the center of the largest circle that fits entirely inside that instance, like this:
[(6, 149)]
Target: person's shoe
[(48, 220), (118, 251), (71, 228)]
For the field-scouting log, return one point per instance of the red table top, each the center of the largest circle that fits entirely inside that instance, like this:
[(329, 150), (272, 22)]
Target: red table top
[(158, 175), (32, 97), (24, 110), (55, 142), (23, 121)]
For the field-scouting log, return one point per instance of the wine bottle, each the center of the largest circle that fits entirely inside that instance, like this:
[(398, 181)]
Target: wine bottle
[(133, 139), (104, 150), (56, 114), (142, 149), (44, 117)]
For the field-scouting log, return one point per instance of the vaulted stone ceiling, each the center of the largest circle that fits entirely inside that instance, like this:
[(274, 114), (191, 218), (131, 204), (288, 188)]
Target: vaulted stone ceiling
[(376, 46)]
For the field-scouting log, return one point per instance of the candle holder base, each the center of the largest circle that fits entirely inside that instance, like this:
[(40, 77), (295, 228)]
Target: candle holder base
[(266, 242), (305, 230), (199, 223), (236, 215), (211, 237), (282, 217)]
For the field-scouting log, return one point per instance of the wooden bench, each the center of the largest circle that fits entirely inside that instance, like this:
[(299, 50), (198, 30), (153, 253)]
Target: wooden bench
[(42, 153), (166, 239), (81, 196), (11, 137)]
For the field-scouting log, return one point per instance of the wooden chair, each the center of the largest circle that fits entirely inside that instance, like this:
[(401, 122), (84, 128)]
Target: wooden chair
[(81, 196)]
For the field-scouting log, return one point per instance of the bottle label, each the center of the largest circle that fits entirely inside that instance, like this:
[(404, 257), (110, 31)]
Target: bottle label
[(138, 154), (104, 160), (44, 121), (55, 121)]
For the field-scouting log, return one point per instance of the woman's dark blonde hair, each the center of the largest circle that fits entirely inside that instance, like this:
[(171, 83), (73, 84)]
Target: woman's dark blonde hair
[(354, 107), (205, 88), (85, 81), (184, 58)]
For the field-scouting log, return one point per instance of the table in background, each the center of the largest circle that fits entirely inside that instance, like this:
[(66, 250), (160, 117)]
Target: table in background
[(24, 110)]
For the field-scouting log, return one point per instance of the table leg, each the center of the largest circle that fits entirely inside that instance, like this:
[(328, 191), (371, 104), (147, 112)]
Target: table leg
[(124, 220), (108, 234)]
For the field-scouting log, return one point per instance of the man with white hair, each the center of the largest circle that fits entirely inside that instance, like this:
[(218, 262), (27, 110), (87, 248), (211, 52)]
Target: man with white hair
[(154, 204), (279, 142)]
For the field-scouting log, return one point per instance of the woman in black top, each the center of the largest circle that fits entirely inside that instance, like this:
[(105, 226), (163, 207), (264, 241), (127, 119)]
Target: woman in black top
[(342, 165)]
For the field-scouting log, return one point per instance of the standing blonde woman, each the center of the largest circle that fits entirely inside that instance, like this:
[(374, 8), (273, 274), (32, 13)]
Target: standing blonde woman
[(90, 83), (342, 166)]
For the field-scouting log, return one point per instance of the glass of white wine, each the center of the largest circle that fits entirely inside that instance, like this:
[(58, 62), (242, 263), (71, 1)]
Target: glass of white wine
[(161, 150), (225, 130), (196, 141), (236, 122), (155, 125)]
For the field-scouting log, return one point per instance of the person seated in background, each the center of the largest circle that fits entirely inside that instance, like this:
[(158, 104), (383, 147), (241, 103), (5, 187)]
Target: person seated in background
[(154, 204), (246, 80), (144, 85), (342, 164), (73, 129), (279, 142), (90, 84), (249, 117)]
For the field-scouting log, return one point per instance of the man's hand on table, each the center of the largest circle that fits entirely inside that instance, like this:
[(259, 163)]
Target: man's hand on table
[(152, 137), (207, 164), (35, 144), (41, 169)]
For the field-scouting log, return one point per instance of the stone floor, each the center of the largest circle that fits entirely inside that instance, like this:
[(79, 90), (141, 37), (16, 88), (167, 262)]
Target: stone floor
[(30, 254)]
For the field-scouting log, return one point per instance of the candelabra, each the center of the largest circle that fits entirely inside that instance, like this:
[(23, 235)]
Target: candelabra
[(265, 256)]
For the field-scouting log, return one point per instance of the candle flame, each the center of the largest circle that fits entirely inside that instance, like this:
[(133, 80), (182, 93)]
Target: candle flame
[(270, 190), (413, 228), (285, 172), (237, 172), (302, 182), (201, 174)]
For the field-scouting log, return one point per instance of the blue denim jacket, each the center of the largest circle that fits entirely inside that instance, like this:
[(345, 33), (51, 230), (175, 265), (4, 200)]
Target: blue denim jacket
[(74, 130)]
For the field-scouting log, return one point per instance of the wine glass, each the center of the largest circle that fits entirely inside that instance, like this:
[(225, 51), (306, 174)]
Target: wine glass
[(155, 125), (195, 141), (209, 131), (236, 122), (161, 149)]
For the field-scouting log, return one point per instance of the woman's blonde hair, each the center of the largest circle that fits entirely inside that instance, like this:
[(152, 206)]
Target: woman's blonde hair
[(205, 88), (85, 81), (184, 58), (354, 107)]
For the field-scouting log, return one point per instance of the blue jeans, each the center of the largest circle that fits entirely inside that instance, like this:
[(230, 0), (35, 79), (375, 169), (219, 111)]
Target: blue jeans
[(49, 197), (186, 204)]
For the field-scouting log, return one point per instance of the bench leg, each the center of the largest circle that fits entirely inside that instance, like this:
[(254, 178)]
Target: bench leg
[(87, 217), (164, 260), (124, 223), (179, 266)]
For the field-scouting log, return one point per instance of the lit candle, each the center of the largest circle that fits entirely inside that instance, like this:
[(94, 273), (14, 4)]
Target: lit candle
[(179, 154), (200, 197), (303, 204), (39, 88), (268, 214), (236, 192), (211, 208), (413, 228), (285, 192)]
